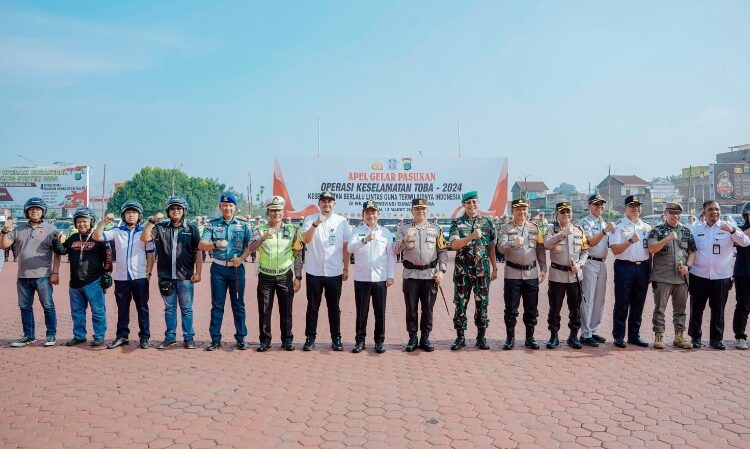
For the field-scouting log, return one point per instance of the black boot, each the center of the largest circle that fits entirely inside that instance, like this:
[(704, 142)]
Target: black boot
[(412, 345), (573, 340), (553, 341), (424, 342), (460, 342), (530, 342), (481, 341), (510, 339)]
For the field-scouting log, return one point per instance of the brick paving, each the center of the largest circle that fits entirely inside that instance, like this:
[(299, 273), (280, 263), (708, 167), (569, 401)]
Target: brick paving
[(131, 398)]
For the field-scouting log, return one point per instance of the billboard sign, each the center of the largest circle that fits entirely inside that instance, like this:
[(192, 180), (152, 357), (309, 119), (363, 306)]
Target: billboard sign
[(392, 182), (62, 187), (731, 182)]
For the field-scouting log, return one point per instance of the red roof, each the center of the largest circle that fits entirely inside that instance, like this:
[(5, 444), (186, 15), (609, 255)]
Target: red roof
[(532, 186), (631, 180)]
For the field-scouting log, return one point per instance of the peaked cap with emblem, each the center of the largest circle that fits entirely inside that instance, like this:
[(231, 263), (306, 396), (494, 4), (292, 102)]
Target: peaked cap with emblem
[(419, 203), (519, 203), (369, 204), (275, 203)]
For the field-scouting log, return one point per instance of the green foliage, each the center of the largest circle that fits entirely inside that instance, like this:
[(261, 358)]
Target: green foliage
[(565, 189), (152, 185)]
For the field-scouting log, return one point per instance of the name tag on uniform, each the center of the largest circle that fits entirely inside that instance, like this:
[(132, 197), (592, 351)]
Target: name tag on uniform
[(332, 239), (645, 243), (717, 248)]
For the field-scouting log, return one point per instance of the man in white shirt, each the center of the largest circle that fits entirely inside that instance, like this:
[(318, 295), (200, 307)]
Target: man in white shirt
[(711, 272), (629, 243), (374, 271), (326, 267)]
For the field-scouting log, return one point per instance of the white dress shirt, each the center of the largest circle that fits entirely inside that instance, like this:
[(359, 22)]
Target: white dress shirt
[(636, 252), (374, 261), (712, 239), (130, 252), (325, 252)]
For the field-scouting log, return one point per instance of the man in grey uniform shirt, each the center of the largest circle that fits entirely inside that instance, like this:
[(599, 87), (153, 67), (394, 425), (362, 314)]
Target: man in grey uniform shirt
[(595, 271)]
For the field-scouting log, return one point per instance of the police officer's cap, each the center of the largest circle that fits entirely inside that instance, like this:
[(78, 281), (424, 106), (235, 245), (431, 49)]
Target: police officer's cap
[(369, 204), (418, 203), (673, 207), (563, 205), (275, 203), (596, 198), (633, 199), (519, 203), (327, 195), (469, 196), (227, 197)]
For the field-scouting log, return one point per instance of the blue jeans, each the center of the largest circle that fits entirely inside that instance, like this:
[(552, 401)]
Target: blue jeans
[(182, 292), (223, 279), (93, 295), (26, 288)]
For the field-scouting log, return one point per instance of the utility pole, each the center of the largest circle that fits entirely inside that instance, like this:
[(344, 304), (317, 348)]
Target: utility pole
[(104, 180)]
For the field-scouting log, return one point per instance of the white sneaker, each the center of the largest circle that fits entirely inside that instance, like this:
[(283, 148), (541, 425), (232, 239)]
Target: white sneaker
[(21, 342), (50, 341), (741, 343)]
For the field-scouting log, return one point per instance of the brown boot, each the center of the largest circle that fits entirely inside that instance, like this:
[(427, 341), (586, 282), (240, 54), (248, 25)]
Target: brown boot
[(659, 341), (680, 342)]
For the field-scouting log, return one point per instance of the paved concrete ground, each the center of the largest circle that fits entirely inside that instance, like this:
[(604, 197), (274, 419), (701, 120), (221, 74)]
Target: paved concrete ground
[(85, 398)]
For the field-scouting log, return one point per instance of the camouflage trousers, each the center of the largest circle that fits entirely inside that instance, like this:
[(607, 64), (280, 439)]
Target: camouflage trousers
[(463, 286)]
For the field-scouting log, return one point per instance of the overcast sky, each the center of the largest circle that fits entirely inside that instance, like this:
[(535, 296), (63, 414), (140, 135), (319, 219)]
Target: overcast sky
[(564, 89)]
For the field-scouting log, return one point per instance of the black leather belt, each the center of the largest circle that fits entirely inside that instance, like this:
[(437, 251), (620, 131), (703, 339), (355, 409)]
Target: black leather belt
[(630, 262), (557, 266), (411, 266), (518, 266), (598, 259)]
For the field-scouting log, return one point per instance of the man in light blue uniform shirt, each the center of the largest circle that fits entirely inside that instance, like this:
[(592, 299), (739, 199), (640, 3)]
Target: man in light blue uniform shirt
[(227, 238)]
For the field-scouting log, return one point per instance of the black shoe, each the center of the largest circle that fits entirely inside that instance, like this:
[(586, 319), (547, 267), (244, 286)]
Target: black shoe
[(97, 342), (288, 346), (309, 344), (718, 345), (379, 348), (119, 341), (482, 344), (75, 341), (213, 346), (590, 341), (412, 345), (620, 343), (358, 347), (638, 342), (262, 346), (510, 342), (599, 338), (424, 342), (167, 343), (336, 345), (144, 343), (459, 343), (574, 343), (241, 345), (553, 342), (531, 343), (696, 343), (189, 344)]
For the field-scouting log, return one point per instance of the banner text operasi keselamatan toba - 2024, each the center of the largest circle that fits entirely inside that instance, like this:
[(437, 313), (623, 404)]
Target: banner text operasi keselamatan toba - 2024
[(62, 186), (392, 182)]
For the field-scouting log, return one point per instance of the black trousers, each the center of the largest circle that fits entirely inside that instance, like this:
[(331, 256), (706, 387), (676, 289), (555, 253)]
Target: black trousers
[(363, 291), (739, 323), (137, 290), (316, 286), (631, 288), (416, 292), (556, 292), (513, 291), (715, 292), (283, 287)]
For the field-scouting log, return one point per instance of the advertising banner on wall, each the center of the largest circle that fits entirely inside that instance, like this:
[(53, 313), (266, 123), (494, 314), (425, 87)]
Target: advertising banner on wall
[(392, 182), (731, 183), (62, 187)]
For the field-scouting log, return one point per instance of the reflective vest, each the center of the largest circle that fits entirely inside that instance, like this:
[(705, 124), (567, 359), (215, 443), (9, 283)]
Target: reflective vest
[(276, 255)]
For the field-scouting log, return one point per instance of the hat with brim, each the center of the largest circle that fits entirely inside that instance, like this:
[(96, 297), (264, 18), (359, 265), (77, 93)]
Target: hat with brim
[(563, 205), (419, 203), (519, 203), (326, 196), (369, 204), (633, 199), (275, 203), (596, 199), (673, 207)]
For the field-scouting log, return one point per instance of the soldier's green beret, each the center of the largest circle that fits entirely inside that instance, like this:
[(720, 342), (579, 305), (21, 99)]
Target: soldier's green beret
[(469, 196)]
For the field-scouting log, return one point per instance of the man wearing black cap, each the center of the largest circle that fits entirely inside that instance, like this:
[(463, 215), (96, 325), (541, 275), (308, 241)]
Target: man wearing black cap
[(522, 243), (568, 249), (629, 244), (425, 261), (594, 281), (373, 273), (326, 267)]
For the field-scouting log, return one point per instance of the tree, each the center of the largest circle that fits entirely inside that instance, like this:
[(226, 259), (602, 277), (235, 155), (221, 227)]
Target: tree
[(152, 186), (565, 189)]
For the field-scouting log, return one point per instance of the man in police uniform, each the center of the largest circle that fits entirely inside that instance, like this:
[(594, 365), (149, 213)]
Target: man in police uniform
[(227, 238), (568, 249), (629, 244), (673, 249), (472, 236), (522, 243), (595, 271), (280, 248), (425, 260)]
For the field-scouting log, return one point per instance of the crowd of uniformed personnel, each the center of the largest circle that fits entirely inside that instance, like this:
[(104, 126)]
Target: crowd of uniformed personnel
[(691, 266)]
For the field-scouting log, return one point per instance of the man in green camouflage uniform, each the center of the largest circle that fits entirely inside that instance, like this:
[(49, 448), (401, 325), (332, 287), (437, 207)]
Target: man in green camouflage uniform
[(472, 236)]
